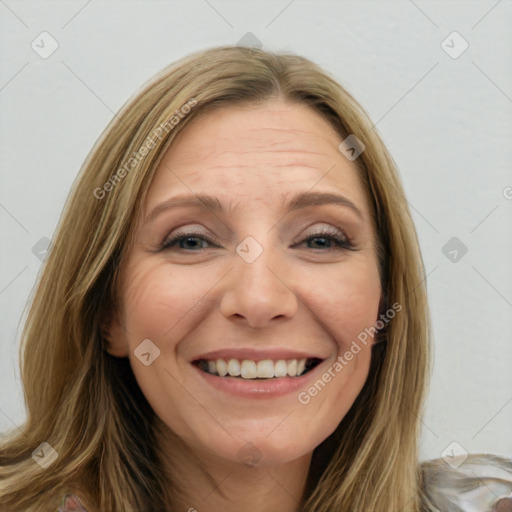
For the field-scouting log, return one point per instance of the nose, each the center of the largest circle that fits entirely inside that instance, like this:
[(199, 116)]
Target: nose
[(258, 293)]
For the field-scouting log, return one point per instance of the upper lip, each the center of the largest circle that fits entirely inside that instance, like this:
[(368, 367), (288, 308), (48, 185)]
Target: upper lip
[(257, 354)]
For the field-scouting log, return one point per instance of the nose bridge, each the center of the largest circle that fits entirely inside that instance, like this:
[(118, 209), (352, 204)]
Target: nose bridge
[(256, 290), (257, 264)]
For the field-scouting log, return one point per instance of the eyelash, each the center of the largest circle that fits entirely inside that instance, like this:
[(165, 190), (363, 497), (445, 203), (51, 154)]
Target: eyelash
[(343, 242)]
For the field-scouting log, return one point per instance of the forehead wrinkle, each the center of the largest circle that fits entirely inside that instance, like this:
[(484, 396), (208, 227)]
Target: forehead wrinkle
[(288, 131), (298, 165), (319, 134), (291, 145), (197, 158), (203, 152), (325, 132)]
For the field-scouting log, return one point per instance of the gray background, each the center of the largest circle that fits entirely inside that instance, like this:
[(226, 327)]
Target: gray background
[(447, 122)]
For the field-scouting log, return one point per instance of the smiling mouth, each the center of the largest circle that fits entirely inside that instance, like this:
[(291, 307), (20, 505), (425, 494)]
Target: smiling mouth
[(265, 369)]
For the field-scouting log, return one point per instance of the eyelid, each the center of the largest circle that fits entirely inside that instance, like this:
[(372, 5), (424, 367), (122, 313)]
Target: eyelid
[(340, 236), (337, 234), (327, 230), (184, 234)]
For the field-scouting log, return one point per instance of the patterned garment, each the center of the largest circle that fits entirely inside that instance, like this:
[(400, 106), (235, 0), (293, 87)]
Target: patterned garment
[(482, 483)]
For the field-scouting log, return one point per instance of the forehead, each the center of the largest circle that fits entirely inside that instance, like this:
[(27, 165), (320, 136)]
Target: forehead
[(265, 152)]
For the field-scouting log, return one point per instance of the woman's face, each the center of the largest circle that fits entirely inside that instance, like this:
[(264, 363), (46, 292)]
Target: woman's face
[(257, 266)]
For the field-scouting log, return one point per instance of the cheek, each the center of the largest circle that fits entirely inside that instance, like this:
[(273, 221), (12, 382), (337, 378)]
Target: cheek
[(160, 306), (164, 304), (156, 300), (345, 301)]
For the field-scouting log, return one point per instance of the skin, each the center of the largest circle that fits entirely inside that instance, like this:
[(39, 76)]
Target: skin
[(300, 293)]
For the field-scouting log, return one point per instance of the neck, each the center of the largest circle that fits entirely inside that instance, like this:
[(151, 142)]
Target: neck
[(201, 481)]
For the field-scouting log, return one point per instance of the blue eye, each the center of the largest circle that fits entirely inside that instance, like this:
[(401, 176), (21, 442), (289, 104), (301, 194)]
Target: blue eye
[(186, 238), (189, 241), (331, 235)]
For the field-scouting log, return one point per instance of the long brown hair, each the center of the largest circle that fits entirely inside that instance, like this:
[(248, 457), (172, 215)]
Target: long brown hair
[(86, 404)]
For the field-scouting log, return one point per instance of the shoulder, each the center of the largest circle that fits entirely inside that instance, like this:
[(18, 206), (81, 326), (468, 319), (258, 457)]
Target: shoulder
[(478, 483), (71, 503)]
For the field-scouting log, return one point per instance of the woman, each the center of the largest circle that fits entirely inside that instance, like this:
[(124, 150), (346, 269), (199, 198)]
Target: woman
[(233, 314)]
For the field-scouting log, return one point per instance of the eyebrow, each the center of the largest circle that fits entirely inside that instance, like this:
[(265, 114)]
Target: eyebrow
[(298, 202)]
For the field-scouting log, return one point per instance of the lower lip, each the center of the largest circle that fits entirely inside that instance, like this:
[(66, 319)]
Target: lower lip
[(252, 388)]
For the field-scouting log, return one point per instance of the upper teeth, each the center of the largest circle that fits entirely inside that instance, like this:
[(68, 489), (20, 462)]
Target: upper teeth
[(249, 369)]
